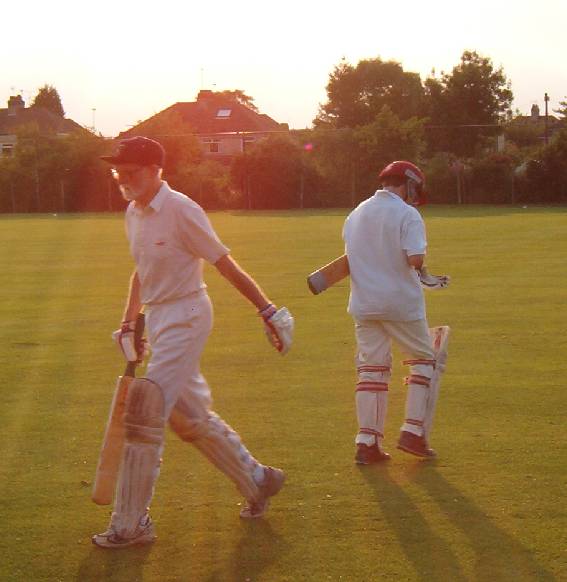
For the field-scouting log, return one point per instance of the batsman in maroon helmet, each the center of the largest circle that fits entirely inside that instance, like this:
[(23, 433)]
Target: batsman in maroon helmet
[(386, 244)]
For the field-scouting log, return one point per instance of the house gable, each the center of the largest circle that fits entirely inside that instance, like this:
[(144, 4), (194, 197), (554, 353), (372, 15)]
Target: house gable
[(223, 126), (17, 115)]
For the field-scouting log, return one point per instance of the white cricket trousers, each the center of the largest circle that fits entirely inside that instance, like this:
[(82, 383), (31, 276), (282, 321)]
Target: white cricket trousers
[(178, 331), (373, 362)]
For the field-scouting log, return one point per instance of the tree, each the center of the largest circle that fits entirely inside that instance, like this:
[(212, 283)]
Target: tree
[(238, 96), (562, 111), (546, 176), (182, 148), (48, 98), (356, 95), (269, 173), (386, 139), (466, 106), (348, 160)]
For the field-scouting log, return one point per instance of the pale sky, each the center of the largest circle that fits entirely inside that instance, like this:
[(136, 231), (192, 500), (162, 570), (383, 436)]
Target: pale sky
[(129, 60)]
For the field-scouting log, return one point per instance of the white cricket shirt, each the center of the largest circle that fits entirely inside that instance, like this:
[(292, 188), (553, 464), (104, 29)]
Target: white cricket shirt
[(379, 234), (169, 240)]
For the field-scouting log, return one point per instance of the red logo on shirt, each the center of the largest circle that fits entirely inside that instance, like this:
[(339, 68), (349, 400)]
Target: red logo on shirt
[(160, 243)]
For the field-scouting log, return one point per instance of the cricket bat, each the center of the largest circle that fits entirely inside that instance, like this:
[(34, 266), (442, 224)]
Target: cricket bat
[(113, 443), (329, 274)]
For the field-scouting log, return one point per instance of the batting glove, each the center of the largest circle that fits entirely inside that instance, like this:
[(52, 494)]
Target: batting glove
[(124, 338), (278, 325), (432, 282)]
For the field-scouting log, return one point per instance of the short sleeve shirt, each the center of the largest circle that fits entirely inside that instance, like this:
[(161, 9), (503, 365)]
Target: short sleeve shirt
[(169, 239), (379, 235)]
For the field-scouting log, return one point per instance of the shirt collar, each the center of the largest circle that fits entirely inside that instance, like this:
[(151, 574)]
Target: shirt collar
[(159, 198), (387, 193)]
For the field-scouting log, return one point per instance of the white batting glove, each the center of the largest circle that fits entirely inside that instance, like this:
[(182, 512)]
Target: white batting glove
[(124, 338), (278, 325), (432, 282)]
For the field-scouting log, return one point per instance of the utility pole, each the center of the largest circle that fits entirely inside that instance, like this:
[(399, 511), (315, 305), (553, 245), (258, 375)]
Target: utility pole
[(546, 100)]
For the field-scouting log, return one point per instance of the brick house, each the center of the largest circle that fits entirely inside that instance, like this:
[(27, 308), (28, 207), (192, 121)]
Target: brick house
[(17, 115), (223, 126)]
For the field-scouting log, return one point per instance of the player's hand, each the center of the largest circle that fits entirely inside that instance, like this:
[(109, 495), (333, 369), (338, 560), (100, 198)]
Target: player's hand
[(432, 282), (124, 338), (278, 325)]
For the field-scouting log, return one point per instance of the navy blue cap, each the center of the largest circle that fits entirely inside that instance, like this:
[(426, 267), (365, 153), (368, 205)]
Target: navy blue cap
[(137, 150)]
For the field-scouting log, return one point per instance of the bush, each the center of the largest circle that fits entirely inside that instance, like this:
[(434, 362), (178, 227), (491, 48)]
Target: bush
[(492, 179), (441, 180)]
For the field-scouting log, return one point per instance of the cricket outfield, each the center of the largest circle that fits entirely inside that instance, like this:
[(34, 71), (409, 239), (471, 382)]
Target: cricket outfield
[(491, 507)]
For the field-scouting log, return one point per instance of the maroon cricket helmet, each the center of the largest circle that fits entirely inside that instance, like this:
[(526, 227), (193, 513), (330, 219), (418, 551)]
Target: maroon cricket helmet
[(414, 176)]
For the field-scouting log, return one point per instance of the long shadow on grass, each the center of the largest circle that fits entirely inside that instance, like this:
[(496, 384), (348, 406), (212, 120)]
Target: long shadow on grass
[(431, 556), (499, 556), (258, 547), (117, 565)]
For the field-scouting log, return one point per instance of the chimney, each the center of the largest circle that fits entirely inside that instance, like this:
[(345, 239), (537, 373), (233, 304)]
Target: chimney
[(14, 103), (535, 112), (204, 94)]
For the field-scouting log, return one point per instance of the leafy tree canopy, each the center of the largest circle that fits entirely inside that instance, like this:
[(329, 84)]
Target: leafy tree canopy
[(239, 96), (465, 101), (356, 95), (562, 111), (48, 98)]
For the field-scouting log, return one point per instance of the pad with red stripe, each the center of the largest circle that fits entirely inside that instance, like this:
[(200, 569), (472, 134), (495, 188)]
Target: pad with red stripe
[(368, 386)]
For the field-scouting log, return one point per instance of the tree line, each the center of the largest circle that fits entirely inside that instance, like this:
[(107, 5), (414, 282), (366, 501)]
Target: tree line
[(375, 112)]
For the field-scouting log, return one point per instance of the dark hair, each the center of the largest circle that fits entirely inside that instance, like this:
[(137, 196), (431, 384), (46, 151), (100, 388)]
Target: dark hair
[(395, 181)]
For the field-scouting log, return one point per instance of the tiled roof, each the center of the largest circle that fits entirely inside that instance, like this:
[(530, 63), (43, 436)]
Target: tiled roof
[(47, 121), (202, 116)]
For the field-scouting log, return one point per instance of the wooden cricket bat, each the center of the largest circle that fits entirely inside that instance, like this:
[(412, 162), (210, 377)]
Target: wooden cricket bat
[(329, 274), (113, 443)]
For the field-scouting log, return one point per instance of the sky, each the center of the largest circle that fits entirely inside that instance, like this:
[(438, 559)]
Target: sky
[(115, 63)]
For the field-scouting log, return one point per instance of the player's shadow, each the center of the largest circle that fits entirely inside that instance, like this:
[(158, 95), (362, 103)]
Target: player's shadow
[(117, 565), (499, 556), (430, 555), (258, 547)]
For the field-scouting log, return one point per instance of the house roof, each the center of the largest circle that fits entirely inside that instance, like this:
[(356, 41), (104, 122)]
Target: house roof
[(11, 118), (214, 114)]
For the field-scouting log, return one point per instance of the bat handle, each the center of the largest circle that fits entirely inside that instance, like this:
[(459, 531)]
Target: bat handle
[(138, 334)]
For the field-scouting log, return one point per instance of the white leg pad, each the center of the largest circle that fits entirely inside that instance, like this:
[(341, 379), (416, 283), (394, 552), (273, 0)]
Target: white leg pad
[(144, 425), (371, 403), (222, 446), (418, 383), (440, 342)]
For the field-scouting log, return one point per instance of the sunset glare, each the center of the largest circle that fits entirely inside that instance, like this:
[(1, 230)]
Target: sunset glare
[(115, 63)]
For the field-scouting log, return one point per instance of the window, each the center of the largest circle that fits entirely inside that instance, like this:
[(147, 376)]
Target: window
[(247, 142), (212, 146), (6, 150), (224, 113)]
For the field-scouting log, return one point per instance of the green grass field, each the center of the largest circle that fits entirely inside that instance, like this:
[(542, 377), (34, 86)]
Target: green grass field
[(491, 508)]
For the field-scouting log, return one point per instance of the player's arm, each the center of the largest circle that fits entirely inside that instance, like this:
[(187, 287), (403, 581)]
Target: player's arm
[(427, 280), (416, 261), (124, 336), (278, 322), (133, 303), (242, 281)]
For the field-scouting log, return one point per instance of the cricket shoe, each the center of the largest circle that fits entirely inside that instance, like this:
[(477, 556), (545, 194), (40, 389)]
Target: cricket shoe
[(367, 455), (415, 445), (144, 534), (273, 482)]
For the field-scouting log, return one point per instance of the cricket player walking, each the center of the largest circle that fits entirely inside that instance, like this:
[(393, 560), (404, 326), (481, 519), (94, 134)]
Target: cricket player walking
[(385, 244), (170, 236)]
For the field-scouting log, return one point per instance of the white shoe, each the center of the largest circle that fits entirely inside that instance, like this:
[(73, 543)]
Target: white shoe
[(144, 534), (273, 482)]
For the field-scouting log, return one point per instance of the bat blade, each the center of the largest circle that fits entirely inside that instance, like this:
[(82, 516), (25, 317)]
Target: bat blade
[(328, 275), (113, 443), (112, 446)]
